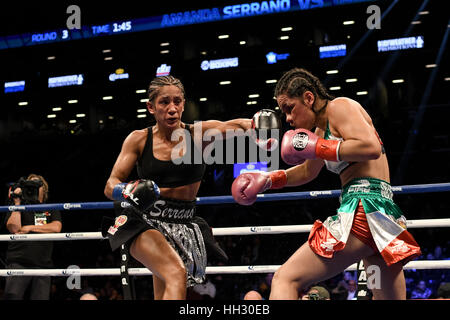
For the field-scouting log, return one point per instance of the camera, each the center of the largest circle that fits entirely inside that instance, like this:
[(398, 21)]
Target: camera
[(30, 191)]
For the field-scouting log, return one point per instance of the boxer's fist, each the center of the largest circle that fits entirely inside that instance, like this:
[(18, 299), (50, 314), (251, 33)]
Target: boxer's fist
[(140, 193), (300, 144), (246, 186), (263, 122), (296, 147)]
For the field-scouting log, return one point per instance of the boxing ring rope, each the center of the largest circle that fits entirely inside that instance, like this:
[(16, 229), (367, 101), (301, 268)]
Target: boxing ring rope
[(407, 189), (250, 230), (418, 265), (229, 231)]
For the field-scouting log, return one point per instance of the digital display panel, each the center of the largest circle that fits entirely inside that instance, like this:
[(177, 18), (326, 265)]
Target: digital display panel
[(239, 168), (163, 70), (400, 44), (273, 57), (339, 50), (63, 81), (14, 86), (174, 19), (219, 63)]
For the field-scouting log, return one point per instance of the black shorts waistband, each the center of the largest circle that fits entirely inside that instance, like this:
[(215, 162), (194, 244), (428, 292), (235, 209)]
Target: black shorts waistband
[(171, 210)]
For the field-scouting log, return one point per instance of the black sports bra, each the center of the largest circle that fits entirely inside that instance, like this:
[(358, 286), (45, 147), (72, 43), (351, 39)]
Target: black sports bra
[(167, 174)]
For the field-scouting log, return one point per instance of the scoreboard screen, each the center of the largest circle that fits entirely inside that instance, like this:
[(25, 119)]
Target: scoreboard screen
[(174, 19)]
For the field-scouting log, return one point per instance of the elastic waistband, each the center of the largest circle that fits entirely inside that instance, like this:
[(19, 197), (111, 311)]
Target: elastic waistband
[(367, 187), (172, 210)]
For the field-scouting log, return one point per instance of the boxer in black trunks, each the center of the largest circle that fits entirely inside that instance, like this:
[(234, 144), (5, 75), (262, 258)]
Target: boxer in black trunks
[(160, 227)]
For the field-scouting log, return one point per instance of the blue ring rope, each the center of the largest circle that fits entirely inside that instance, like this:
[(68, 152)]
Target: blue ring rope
[(407, 189)]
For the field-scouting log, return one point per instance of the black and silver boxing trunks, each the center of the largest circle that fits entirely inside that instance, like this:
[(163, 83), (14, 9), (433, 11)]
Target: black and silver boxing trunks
[(188, 234)]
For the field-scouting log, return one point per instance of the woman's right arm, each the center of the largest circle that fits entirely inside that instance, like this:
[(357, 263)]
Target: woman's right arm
[(125, 161), (307, 171), (304, 172)]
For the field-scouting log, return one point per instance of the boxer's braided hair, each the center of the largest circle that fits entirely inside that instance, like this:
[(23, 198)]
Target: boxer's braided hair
[(159, 82), (296, 81)]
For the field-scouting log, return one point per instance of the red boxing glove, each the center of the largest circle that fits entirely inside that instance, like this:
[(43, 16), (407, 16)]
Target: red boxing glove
[(300, 144), (246, 187)]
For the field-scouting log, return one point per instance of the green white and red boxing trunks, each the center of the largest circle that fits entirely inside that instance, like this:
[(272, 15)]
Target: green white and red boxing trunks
[(368, 212)]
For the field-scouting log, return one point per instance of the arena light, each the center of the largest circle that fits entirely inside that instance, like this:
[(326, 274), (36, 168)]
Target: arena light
[(80, 115), (141, 91), (416, 22), (51, 58), (285, 29), (224, 83), (424, 12), (107, 98), (349, 22), (361, 93), (141, 110), (106, 50), (51, 116), (351, 80), (271, 81), (164, 51), (142, 116), (57, 109), (335, 88), (164, 44), (203, 99), (447, 79), (253, 95), (242, 42), (72, 121), (224, 36), (429, 66), (332, 71), (108, 58), (252, 102), (23, 103), (284, 37), (143, 100), (72, 101), (398, 81)]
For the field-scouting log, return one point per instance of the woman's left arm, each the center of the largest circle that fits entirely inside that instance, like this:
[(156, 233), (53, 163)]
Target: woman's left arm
[(215, 127), (360, 140)]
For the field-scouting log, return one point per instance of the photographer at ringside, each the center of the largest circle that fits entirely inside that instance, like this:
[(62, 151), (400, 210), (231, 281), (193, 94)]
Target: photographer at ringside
[(30, 254)]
